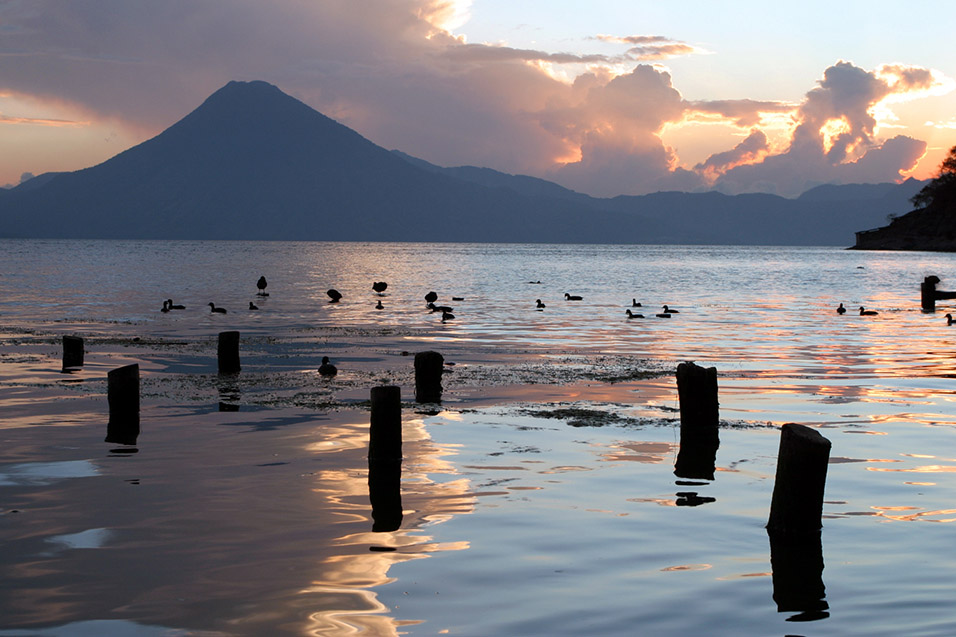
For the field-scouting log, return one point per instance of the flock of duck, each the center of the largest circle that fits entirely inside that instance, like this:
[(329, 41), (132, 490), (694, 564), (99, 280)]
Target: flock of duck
[(863, 311)]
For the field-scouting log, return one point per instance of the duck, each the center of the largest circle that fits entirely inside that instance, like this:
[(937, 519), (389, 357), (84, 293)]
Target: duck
[(572, 297), (631, 315), (327, 369), (841, 309), (253, 306), (949, 319), (217, 310), (175, 307), (634, 303), (439, 308), (864, 312), (379, 306), (667, 310), (380, 286), (261, 284), (431, 297), (334, 295), (165, 307), (538, 304)]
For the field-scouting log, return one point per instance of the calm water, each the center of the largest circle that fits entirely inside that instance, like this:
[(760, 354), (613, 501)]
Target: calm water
[(516, 523)]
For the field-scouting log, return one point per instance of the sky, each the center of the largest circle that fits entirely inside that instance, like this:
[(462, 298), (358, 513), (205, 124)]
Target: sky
[(606, 97)]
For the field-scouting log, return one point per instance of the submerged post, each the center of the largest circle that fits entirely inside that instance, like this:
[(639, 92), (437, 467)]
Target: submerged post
[(385, 424), (797, 503), (228, 352), (122, 392), (72, 352), (428, 371)]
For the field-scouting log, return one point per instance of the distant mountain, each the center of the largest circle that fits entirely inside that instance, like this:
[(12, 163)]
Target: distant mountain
[(254, 163)]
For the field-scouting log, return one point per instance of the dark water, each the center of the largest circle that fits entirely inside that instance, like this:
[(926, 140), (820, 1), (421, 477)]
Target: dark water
[(515, 523)]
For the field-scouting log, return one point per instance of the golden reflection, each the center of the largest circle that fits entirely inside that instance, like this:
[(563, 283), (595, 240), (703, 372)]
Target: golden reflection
[(362, 559), (933, 468), (644, 452), (687, 567)]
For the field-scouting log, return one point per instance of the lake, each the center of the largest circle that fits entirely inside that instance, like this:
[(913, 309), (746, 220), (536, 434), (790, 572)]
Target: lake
[(539, 498)]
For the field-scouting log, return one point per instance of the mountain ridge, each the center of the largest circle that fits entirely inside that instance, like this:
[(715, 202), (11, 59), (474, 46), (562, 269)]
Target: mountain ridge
[(252, 162)]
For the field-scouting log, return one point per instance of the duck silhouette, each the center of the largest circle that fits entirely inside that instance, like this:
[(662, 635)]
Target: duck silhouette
[(572, 297), (841, 309), (538, 304), (631, 315), (634, 303), (165, 307), (261, 284), (334, 295), (217, 310), (327, 369), (949, 319), (439, 308), (667, 310), (380, 286), (431, 297), (175, 307), (864, 312), (253, 306)]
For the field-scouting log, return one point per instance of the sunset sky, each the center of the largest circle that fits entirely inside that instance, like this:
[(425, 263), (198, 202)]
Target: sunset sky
[(606, 97)]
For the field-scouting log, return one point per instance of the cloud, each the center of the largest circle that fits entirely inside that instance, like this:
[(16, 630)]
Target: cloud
[(395, 71), (834, 138)]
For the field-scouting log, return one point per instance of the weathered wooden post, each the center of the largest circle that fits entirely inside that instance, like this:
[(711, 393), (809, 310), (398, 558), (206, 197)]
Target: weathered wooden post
[(797, 503), (122, 393), (699, 414), (428, 372), (228, 353), (72, 353), (385, 458), (927, 291)]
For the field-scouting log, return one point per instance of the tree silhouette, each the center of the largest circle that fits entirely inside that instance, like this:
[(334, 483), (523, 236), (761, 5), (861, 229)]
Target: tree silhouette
[(941, 192)]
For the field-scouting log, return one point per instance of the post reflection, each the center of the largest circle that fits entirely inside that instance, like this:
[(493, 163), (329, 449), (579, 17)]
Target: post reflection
[(797, 565), (385, 494), (697, 457)]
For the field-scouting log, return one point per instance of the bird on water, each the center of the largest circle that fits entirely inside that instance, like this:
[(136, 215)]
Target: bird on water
[(217, 310), (175, 307), (379, 286), (327, 369), (572, 297), (949, 319), (668, 310), (864, 312), (538, 304), (634, 303), (439, 308), (334, 295), (261, 284), (253, 306), (165, 307), (431, 297), (631, 315), (841, 309)]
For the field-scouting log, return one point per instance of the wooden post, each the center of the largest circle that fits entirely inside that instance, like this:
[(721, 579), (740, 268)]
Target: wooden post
[(927, 291), (797, 503), (428, 371), (699, 413), (122, 392), (72, 352), (385, 424), (228, 352)]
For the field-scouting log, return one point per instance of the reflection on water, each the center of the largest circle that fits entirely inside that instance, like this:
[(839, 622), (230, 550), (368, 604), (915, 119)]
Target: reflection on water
[(43, 473), (797, 564)]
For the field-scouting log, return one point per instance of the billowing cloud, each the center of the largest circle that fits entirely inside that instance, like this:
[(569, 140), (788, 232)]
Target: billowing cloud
[(754, 148), (834, 137)]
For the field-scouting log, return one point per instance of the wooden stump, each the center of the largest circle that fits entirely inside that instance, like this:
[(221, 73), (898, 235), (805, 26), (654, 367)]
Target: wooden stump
[(123, 396), (699, 414), (72, 352), (385, 424), (228, 353), (797, 503), (429, 367)]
